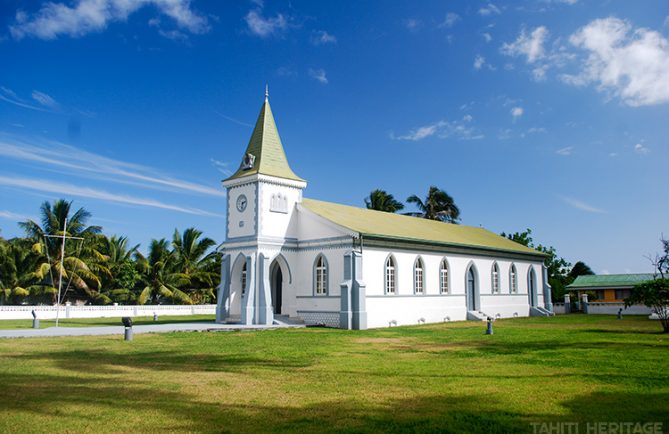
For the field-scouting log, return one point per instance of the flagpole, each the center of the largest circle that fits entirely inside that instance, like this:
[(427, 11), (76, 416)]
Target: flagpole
[(60, 274)]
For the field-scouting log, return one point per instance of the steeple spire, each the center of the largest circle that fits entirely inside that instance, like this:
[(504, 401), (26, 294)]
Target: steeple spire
[(264, 154)]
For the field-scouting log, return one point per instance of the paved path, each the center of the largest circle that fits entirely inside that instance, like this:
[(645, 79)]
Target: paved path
[(138, 329)]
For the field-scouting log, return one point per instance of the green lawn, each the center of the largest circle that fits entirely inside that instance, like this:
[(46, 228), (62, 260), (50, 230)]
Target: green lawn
[(93, 322), (433, 378)]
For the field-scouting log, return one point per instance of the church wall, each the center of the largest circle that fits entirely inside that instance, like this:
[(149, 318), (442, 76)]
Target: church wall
[(241, 224), (277, 210), (405, 307)]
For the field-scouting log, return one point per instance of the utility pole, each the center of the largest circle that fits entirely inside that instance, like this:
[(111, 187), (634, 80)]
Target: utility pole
[(62, 267)]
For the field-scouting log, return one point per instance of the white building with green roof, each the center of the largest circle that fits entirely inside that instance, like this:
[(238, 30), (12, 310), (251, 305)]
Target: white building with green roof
[(325, 263)]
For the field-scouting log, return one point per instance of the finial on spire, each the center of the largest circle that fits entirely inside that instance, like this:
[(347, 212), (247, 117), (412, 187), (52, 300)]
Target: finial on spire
[(266, 92)]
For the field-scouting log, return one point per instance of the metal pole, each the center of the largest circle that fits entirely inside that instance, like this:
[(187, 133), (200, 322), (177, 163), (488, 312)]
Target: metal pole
[(60, 274)]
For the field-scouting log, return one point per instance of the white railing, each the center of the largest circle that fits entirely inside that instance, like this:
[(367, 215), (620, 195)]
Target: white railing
[(68, 311)]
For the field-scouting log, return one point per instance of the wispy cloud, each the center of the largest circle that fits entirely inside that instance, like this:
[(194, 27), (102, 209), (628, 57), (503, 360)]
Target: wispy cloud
[(486, 36), (264, 27), (87, 164), (412, 24), (489, 9), (578, 204), (50, 186), (13, 216), (451, 19), (517, 112), (529, 45), (321, 37), (45, 100), (460, 129), (641, 149), (221, 166), (85, 16), (318, 75), (11, 97), (236, 121), (565, 152), (479, 61)]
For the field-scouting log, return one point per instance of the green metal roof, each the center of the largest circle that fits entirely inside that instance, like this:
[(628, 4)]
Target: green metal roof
[(400, 227), (265, 145), (609, 280)]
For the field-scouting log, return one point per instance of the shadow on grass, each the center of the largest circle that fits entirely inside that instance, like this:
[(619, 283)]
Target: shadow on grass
[(68, 404)]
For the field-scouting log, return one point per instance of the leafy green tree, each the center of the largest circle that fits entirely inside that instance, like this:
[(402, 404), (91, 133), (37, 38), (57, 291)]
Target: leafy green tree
[(438, 205), (82, 263), (194, 258), (580, 269), (380, 200), (654, 294), (557, 268), (119, 285), (160, 280)]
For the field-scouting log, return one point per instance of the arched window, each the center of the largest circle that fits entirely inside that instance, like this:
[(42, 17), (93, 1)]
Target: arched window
[(418, 281), (390, 275), (321, 276), (495, 278), (443, 277), (244, 278), (513, 279)]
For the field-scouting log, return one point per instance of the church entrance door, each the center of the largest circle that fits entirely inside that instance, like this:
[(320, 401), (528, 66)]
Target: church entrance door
[(277, 290)]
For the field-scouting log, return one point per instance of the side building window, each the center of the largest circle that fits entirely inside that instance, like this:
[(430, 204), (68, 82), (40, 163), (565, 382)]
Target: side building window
[(321, 276), (495, 278), (390, 275), (443, 277), (513, 280), (418, 281)]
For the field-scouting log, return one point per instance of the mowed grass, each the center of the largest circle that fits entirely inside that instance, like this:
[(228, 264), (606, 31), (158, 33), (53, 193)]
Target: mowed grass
[(432, 378), (98, 322)]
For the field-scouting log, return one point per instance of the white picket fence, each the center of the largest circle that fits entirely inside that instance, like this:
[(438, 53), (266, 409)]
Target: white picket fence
[(49, 312)]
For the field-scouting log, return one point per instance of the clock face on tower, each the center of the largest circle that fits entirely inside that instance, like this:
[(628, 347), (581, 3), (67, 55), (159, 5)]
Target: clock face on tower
[(241, 203)]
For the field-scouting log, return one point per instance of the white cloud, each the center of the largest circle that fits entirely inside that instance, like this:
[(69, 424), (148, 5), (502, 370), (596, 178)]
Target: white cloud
[(536, 130), (489, 9), (10, 96), (613, 154), (86, 16), (233, 120), (565, 152), (517, 112), (641, 149), (221, 166), (451, 19), (413, 24), (575, 203), (264, 27), (322, 37), (479, 61), (487, 37), (531, 46), (318, 75), (45, 100), (443, 129), (632, 64), (87, 164), (539, 73), (666, 21), (13, 216), (50, 186)]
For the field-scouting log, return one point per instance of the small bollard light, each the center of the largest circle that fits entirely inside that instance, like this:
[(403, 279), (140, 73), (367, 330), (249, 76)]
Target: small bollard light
[(35, 319), (127, 322), (620, 314), (155, 316), (489, 329)]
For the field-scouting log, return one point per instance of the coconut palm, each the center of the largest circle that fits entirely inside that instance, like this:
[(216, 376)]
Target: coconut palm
[(160, 279), (193, 258), (17, 264), (82, 263), (438, 205), (380, 200), (119, 284)]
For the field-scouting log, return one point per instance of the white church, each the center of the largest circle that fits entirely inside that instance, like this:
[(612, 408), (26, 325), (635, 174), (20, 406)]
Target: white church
[(288, 257)]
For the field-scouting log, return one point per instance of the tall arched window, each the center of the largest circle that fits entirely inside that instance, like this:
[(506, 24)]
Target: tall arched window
[(244, 278), (513, 279), (495, 278), (390, 275), (443, 277), (321, 276), (418, 281)]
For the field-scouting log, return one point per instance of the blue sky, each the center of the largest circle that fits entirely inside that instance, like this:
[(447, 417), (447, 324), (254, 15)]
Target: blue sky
[(550, 115)]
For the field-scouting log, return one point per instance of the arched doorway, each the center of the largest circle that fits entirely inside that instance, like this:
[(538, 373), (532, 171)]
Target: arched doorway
[(471, 289), (532, 287), (277, 287)]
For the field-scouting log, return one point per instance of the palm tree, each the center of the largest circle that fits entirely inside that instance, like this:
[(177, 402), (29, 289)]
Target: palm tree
[(193, 259), (438, 205), (380, 200), (123, 277), (81, 264), (159, 277), (14, 271)]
